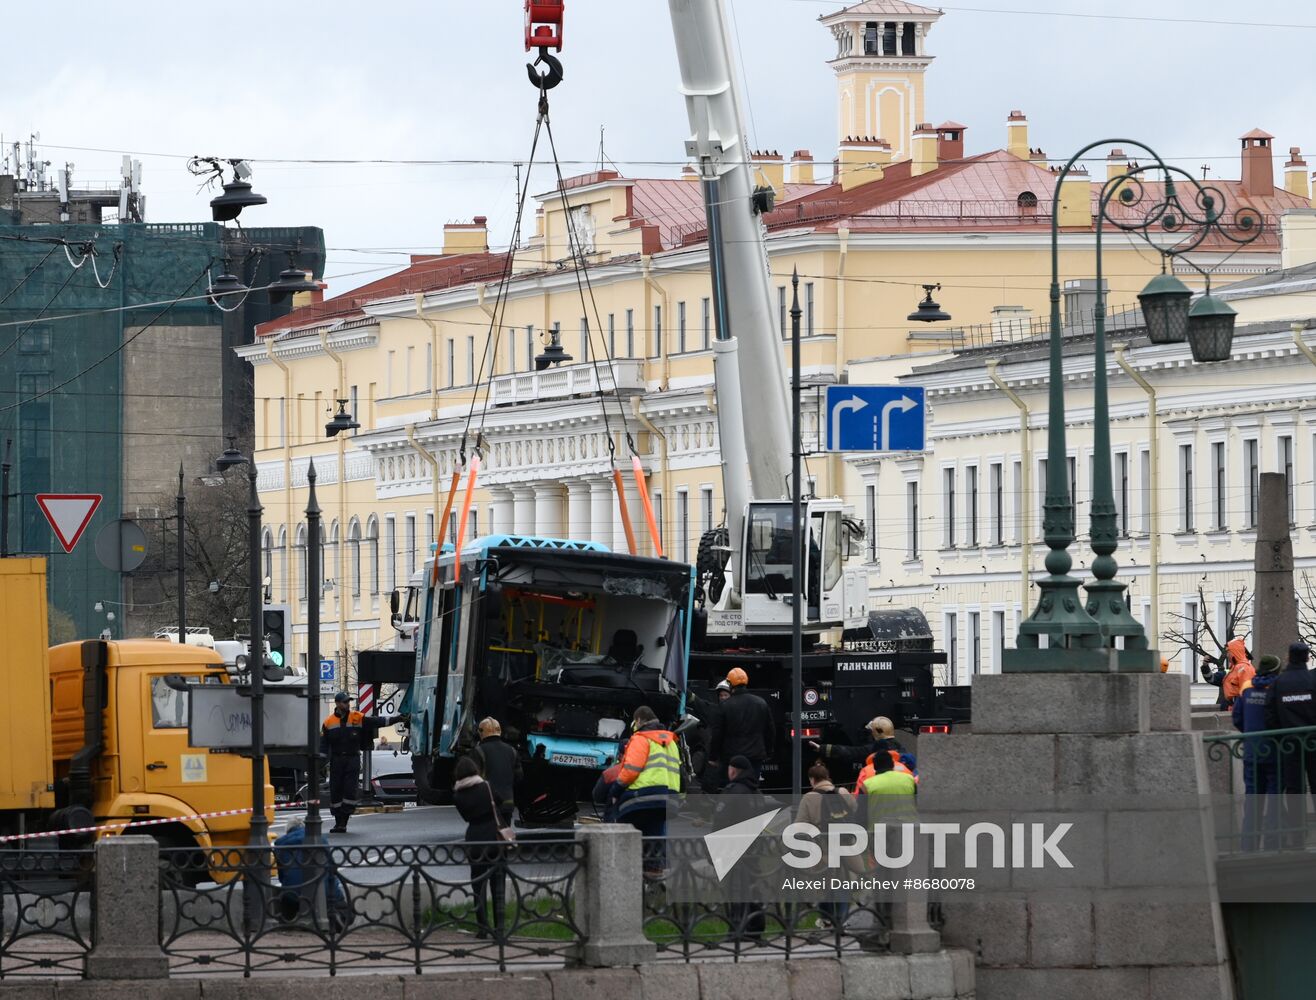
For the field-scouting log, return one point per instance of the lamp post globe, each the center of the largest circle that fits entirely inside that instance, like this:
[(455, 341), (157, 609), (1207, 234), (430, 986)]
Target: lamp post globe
[(1211, 329)]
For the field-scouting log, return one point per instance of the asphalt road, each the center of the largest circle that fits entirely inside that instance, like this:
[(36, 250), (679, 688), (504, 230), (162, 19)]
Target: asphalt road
[(414, 825)]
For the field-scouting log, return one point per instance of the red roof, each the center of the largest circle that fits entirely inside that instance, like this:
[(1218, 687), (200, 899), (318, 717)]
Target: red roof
[(426, 274), (1256, 133)]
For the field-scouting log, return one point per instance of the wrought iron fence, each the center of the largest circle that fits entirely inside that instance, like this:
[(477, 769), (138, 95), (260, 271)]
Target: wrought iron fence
[(1277, 771), (689, 916), (387, 908), (46, 913)]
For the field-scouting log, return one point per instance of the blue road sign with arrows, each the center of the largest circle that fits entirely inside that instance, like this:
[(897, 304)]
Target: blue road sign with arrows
[(875, 418)]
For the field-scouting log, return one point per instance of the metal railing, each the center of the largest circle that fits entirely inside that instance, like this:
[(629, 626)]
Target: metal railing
[(46, 913), (722, 925), (383, 909), (1277, 771)]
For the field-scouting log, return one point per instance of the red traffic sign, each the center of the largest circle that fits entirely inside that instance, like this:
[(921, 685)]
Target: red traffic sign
[(68, 514)]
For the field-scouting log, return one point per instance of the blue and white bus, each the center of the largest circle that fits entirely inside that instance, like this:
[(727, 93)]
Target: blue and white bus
[(558, 640)]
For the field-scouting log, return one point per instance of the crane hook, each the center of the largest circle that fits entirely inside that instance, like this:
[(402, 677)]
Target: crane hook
[(549, 78)]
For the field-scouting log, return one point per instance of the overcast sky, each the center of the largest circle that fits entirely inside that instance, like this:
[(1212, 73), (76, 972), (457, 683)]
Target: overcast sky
[(442, 80)]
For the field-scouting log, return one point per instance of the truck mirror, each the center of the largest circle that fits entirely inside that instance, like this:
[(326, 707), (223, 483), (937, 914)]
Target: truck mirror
[(394, 603), (176, 682)]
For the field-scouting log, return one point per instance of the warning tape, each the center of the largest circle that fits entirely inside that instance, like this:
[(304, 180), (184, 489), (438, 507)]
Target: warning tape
[(120, 824)]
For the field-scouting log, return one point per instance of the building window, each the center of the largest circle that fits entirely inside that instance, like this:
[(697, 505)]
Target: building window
[(706, 502), (411, 545), (630, 333), (612, 335), (870, 492), (470, 361), (1219, 512), (411, 366), (971, 505), (911, 517), (889, 38), (1251, 469), (975, 643), (948, 508), (354, 554), (302, 584), (452, 364), (808, 308), (707, 321), (996, 484), (1122, 493), (352, 401), (372, 552), (1145, 487), (584, 338), (658, 515), (1185, 487), (1285, 460), (1020, 500), (1073, 494), (683, 524), (870, 39), (475, 523), (680, 327), (511, 349), (529, 347), (657, 331), (781, 310), (1192, 617), (998, 640), (388, 374), (391, 551), (952, 621)]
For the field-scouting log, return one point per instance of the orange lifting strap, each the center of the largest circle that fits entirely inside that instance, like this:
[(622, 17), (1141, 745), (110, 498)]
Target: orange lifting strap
[(466, 511), (638, 471), (441, 526), (625, 514)]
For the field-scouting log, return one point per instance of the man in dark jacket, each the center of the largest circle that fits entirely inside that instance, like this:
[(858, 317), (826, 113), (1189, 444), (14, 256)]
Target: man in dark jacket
[(743, 727), (746, 917), (345, 733), (1260, 777), (1290, 704), (500, 764)]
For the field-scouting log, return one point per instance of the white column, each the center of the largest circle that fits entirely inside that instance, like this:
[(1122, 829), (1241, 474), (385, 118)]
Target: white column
[(601, 511), (578, 509), (548, 510), (523, 510), (503, 510)]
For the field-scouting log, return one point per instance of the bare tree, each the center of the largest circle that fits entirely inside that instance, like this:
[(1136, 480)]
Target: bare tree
[(1195, 632), (215, 552), (1306, 596)]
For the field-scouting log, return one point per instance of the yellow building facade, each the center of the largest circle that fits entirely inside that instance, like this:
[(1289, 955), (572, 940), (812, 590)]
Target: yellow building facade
[(443, 353)]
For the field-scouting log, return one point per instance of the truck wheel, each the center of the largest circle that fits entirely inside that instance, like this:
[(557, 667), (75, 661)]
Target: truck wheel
[(185, 863)]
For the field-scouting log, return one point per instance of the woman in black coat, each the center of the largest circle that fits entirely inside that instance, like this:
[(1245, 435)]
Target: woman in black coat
[(474, 799)]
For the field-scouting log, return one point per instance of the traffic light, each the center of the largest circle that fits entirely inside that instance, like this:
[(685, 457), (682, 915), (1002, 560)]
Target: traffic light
[(275, 627)]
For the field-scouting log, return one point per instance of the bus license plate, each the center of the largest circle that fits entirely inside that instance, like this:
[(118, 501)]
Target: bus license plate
[(573, 760)]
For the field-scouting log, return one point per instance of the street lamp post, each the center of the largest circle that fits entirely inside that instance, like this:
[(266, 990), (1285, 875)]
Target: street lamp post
[(314, 824), (182, 569), (231, 458), (1088, 630), (797, 551)]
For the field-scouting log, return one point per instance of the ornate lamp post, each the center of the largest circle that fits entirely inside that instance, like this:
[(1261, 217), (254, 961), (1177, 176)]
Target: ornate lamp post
[(1088, 631)]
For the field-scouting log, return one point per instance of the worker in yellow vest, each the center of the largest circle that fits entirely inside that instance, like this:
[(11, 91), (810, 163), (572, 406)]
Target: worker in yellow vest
[(650, 776)]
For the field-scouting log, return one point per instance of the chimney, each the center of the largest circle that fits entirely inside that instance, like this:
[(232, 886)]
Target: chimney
[(1117, 164), (1297, 238), (689, 173), (300, 299), (1016, 135), (950, 142), (466, 237), (1296, 180), (801, 167), (1258, 168), (1075, 206), (1037, 156), (924, 149), (769, 170), (862, 161)]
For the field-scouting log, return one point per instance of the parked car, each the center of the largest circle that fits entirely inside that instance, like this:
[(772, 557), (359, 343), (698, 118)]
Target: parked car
[(391, 777)]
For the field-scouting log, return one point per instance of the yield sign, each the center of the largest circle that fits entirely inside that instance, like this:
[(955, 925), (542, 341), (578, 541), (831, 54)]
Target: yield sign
[(68, 514)]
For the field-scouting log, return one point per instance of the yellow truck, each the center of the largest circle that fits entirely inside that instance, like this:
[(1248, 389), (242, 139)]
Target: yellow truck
[(94, 733)]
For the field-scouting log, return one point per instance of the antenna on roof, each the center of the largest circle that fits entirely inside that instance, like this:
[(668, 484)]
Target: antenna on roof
[(600, 166), (1206, 169)]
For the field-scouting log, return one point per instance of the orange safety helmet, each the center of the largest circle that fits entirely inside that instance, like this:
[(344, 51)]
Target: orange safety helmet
[(737, 677)]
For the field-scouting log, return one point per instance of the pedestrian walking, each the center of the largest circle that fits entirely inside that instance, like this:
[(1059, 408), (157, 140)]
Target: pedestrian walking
[(486, 849), (500, 765), (1260, 775), (344, 735), (743, 726), (650, 776), (746, 916), (823, 806), (1291, 704)]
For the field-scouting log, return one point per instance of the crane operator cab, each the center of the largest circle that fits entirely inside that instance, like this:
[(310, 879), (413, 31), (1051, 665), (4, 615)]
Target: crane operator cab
[(834, 597)]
